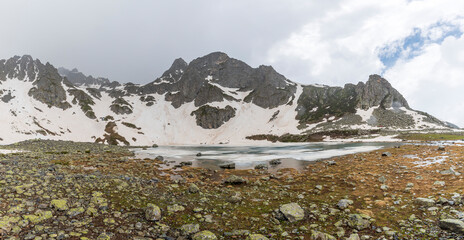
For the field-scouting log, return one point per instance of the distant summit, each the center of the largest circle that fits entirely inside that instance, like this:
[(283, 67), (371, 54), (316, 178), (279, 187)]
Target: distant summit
[(77, 78)]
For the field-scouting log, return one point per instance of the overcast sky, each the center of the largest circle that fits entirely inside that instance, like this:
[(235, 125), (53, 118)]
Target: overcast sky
[(417, 45)]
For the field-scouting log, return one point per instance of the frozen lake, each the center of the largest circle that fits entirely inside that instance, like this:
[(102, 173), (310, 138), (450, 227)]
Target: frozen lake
[(245, 157)]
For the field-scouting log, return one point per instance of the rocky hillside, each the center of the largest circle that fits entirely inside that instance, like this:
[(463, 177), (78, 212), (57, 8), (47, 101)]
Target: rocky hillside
[(212, 99)]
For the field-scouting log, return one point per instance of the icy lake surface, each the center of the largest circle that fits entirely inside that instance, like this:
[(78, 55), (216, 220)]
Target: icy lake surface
[(292, 155)]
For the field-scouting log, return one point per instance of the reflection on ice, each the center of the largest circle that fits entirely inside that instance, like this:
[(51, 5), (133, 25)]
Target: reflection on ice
[(249, 156)]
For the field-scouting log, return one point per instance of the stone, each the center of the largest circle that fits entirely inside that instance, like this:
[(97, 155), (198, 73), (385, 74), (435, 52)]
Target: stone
[(292, 212), (59, 204), (193, 188), (261, 166), (152, 212), (344, 203), (204, 235), (189, 229), (358, 221), (382, 179), (452, 225), (439, 183), (316, 235), (256, 237), (386, 154), (233, 179), (275, 162), (103, 236), (175, 208), (353, 236), (229, 165), (425, 202)]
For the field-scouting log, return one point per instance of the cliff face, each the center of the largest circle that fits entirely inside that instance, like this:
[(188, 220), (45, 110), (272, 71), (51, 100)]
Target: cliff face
[(212, 99)]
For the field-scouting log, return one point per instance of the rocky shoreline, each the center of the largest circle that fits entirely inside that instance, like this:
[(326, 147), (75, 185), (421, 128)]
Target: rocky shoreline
[(67, 190)]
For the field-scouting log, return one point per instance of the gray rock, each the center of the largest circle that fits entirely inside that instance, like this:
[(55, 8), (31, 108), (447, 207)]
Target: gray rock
[(316, 235), (439, 183), (256, 237), (193, 188), (344, 203), (204, 235), (189, 229), (233, 179), (452, 225), (261, 166), (292, 212), (382, 179), (386, 154), (229, 165), (358, 221), (152, 212), (425, 202), (275, 162), (353, 236)]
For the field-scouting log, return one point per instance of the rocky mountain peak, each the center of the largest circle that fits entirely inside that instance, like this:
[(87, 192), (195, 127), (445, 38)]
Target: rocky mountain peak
[(377, 91), (176, 70)]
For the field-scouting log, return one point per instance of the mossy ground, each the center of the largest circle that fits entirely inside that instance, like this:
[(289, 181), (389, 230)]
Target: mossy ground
[(129, 184), (432, 136)]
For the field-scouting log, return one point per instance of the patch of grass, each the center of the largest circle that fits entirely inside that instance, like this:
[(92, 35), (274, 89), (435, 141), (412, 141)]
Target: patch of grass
[(432, 136), (61, 162)]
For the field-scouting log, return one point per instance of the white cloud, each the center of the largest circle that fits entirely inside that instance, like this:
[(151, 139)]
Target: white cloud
[(344, 46), (433, 81)]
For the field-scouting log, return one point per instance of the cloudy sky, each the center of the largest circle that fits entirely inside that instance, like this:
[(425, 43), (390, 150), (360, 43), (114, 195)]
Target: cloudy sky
[(417, 45)]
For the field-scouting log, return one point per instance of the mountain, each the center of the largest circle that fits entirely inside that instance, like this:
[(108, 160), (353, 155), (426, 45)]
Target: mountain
[(213, 99)]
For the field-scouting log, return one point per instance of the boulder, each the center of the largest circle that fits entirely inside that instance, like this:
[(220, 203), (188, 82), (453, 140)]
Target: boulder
[(358, 221), (236, 180), (189, 229), (152, 212), (344, 203), (292, 212), (229, 165), (256, 237), (452, 225), (424, 202), (204, 235)]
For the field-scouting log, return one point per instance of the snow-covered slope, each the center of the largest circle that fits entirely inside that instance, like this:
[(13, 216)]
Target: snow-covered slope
[(214, 99)]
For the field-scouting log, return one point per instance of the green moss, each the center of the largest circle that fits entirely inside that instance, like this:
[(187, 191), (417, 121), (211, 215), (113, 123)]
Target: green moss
[(432, 136)]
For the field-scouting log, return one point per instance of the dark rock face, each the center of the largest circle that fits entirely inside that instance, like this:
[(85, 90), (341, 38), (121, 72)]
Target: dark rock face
[(48, 88), (84, 101), (121, 106), (212, 117), (317, 103)]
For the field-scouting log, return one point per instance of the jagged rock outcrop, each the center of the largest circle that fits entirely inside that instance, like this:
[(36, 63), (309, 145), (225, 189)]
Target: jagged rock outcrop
[(378, 92), (84, 100), (213, 117), (121, 106)]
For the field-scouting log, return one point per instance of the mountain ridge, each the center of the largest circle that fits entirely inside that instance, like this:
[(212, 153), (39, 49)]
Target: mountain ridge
[(219, 99)]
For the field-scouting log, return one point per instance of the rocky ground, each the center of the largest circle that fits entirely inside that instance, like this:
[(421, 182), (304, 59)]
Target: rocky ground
[(65, 190)]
